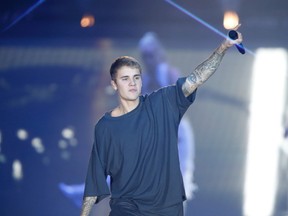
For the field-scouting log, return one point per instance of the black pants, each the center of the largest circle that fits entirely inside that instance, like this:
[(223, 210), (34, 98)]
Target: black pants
[(122, 207)]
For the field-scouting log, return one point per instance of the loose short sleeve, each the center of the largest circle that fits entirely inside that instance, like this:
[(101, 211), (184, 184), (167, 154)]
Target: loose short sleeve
[(95, 184), (179, 103)]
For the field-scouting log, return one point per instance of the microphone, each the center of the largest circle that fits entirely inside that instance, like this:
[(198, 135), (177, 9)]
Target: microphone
[(234, 36)]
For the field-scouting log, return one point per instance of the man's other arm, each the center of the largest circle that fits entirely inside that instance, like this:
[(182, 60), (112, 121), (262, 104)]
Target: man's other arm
[(87, 205)]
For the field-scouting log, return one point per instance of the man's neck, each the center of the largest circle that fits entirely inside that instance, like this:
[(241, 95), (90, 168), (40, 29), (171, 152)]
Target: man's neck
[(125, 107)]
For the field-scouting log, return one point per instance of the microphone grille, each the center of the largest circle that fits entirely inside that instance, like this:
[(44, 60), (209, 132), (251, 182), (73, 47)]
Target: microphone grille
[(233, 35)]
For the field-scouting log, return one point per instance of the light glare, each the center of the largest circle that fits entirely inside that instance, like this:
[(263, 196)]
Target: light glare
[(68, 133), (73, 142), (22, 134), (265, 131), (38, 145), (17, 170), (231, 20), (62, 144), (87, 21)]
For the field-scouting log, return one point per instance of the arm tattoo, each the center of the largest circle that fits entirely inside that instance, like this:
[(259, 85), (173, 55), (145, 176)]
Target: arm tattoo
[(203, 71), (87, 205)]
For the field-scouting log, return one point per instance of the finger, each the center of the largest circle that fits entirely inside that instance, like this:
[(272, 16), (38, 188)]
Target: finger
[(240, 37)]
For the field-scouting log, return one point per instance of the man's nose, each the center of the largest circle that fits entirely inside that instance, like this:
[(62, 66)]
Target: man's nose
[(132, 82)]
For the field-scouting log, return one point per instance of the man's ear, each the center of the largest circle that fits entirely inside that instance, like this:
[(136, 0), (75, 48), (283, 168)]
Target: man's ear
[(114, 85)]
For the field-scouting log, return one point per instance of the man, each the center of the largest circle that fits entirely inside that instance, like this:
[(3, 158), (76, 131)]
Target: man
[(136, 143)]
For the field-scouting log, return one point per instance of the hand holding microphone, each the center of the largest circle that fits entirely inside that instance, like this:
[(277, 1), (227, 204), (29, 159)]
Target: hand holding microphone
[(234, 36)]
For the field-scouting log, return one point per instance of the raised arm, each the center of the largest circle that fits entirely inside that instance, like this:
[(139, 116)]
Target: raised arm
[(208, 67), (87, 205)]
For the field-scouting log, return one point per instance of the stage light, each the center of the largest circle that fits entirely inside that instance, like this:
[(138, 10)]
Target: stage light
[(2, 158), (265, 131), (21, 16), (22, 134), (68, 133), (62, 144), (17, 172), (87, 21), (38, 145), (230, 20), (73, 142), (201, 21)]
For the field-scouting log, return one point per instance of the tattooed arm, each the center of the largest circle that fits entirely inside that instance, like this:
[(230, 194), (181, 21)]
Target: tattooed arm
[(87, 205), (208, 67)]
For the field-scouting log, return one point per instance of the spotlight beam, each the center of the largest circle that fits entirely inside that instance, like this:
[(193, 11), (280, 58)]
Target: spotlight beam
[(201, 21), (21, 16)]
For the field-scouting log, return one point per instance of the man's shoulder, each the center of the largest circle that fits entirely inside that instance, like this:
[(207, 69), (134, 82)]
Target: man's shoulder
[(102, 122)]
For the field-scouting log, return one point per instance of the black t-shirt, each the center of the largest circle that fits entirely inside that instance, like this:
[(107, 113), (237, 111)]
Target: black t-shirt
[(139, 151)]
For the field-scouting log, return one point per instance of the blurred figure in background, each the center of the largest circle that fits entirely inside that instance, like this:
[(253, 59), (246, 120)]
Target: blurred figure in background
[(159, 73), (102, 99)]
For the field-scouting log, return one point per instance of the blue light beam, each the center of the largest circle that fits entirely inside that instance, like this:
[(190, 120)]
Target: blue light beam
[(21, 16), (201, 21)]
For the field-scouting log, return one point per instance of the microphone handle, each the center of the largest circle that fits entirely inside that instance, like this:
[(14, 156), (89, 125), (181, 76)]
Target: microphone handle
[(240, 48)]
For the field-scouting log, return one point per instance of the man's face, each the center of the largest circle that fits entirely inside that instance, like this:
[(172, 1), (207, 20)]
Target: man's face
[(128, 83)]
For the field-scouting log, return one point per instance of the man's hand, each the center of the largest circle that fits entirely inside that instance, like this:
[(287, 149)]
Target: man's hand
[(208, 67), (230, 42)]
